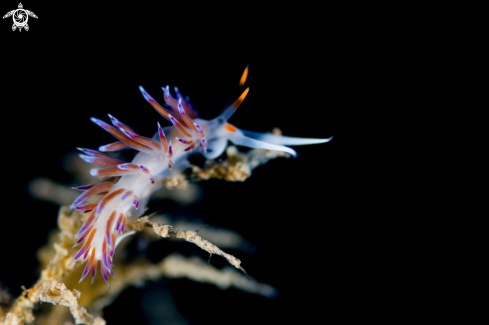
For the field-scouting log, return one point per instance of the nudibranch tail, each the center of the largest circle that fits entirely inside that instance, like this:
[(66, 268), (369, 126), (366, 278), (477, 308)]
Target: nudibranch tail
[(100, 233)]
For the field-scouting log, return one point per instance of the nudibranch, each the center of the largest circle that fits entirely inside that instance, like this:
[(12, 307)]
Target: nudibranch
[(128, 186)]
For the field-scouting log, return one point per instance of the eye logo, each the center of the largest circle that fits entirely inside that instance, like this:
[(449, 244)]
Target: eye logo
[(20, 17)]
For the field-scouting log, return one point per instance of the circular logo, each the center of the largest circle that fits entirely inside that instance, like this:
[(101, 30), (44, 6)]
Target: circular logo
[(20, 17)]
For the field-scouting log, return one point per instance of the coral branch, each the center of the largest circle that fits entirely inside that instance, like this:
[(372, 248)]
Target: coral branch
[(238, 166), (47, 288), (189, 235), (223, 238), (57, 294), (55, 268), (177, 266), (57, 274)]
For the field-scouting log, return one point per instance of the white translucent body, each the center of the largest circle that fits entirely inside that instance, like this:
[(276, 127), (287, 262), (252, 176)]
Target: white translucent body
[(217, 136)]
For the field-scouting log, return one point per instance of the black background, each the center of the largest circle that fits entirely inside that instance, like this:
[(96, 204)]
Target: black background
[(319, 222)]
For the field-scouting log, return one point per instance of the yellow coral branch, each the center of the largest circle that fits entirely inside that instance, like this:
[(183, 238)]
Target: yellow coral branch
[(189, 235), (192, 237), (55, 264), (47, 287), (238, 166)]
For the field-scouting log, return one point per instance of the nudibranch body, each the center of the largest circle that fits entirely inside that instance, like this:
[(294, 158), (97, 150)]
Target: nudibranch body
[(129, 185)]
